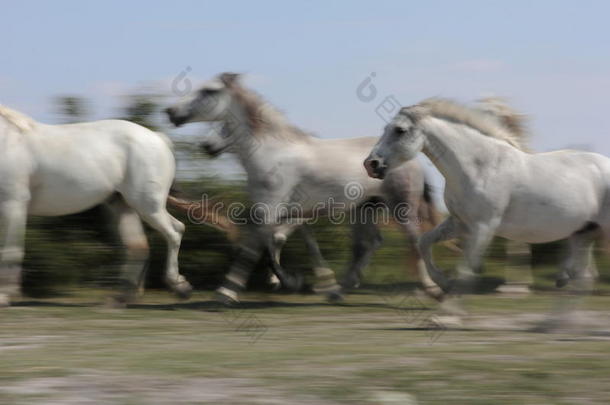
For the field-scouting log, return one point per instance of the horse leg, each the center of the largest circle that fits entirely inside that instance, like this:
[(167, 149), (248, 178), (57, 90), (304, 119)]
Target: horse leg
[(411, 230), (278, 240), (275, 252), (569, 268), (133, 239), (172, 230), (366, 238), (578, 268), (476, 240), (248, 254), (325, 283), (13, 217), (448, 229)]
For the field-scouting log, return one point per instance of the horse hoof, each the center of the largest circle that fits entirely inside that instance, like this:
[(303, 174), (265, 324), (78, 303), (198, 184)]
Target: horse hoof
[(335, 297), (116, 302), (275, 284), (294, 283), (183, 290), (5, 300), (350, 284), (435, 292), (561, 282), (226, 297)]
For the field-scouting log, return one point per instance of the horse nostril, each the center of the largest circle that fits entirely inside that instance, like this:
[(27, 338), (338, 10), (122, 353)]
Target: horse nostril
[(374, 163), (169, 111)]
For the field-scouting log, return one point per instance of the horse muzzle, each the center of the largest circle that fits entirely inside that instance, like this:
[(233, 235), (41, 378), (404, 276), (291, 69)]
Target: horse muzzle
[(375, 168), (174, 117), (211, 150)]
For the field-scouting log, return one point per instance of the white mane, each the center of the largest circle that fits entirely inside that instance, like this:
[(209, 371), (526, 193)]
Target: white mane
[(452, 111), (19, 120), (262, 116)]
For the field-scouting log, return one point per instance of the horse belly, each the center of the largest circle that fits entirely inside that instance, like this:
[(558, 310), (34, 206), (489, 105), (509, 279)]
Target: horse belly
[(542, 223), (64, 196)]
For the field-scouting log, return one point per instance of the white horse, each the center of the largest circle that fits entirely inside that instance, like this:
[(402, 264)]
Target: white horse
[(53, 170), (288, 168), (494, 187)]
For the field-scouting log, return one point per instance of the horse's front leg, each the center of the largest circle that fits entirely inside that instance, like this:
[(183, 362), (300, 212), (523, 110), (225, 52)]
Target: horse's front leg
[(258, 238), (476, 240), (13, 216), (448, 229), (275, 242)]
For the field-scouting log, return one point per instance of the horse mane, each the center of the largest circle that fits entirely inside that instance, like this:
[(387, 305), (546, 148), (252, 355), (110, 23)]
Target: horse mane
[(512, 120), (22, 122), (476, 119), (263, 118)]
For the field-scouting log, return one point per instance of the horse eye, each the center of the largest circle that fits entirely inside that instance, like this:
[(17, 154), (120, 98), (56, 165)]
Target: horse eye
[(400, 130)]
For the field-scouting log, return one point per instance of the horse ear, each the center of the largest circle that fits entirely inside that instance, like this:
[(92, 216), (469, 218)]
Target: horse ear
[(229, 79)]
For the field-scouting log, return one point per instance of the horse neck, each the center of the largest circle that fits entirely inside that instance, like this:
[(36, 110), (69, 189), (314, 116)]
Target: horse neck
[(257, 148), (459, 153)]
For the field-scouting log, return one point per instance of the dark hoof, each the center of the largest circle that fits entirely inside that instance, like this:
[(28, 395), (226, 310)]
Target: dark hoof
[(226, 298), (335, 297), (561, 282), (127, 295), (183, 290), (293, 282), (350, 284), (459, 286), (117, 302)]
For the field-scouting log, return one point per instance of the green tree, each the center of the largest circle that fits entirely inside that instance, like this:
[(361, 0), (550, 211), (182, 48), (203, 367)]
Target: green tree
[(142, 109), (71, 108)]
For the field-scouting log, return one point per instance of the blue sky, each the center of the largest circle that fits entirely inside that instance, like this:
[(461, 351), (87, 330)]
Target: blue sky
[(551, 58)]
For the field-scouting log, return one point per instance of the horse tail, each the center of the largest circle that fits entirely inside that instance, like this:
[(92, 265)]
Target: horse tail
[(204, 212)]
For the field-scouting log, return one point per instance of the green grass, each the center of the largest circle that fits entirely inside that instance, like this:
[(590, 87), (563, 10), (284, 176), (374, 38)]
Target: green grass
[(296, 349)]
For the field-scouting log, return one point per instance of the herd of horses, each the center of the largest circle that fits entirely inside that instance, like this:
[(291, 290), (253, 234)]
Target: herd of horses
[(494, 186)]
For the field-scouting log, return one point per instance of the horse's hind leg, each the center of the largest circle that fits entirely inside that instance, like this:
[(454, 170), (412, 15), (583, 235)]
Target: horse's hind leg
[(13, 216), (159, 219), (578, 268), (132, 237)]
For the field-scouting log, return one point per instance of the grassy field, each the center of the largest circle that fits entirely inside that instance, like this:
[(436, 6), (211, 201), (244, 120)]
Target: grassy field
[(377, 348)]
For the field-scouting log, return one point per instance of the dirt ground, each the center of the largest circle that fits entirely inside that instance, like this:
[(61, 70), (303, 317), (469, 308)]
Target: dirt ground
[(376, 348)]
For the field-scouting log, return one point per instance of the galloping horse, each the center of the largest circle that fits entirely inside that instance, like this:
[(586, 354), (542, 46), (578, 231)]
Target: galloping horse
[(495, 187), (286, 166), (53, 170)]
